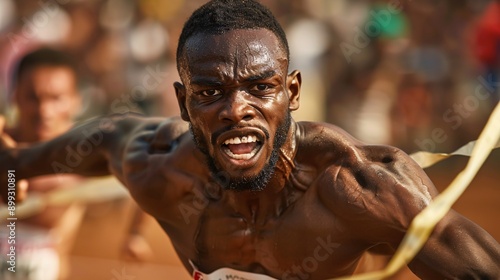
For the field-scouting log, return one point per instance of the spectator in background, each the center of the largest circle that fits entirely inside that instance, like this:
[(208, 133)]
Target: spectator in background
[(487, 46), (46, 101), (46, 98), (411, 113)]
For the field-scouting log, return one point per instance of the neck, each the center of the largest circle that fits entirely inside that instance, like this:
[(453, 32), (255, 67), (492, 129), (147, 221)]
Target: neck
[(259, 206)]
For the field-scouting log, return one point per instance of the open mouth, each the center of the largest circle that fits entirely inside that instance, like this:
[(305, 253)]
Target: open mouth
[(242, 147)]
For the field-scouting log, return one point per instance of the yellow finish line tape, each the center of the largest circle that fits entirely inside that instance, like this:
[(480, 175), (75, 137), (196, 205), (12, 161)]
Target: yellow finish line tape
[(427, 159)]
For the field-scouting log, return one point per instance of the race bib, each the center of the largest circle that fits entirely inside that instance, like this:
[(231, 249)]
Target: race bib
[(228, 274)]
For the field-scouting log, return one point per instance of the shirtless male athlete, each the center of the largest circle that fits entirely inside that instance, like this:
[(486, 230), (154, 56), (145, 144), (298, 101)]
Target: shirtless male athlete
[(237, 184)]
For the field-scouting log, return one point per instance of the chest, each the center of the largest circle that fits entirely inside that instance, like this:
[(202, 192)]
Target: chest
[(304, 240)]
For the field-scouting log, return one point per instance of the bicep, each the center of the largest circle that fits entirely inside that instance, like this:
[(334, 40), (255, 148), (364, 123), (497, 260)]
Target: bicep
[(457, 248), (381, 191)]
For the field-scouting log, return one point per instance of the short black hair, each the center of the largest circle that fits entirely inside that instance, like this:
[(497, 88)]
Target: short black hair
[(43, 57), (220, 16)]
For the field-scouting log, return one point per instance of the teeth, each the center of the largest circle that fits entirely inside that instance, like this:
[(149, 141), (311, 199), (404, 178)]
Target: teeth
[(241, 156), (239, 140)]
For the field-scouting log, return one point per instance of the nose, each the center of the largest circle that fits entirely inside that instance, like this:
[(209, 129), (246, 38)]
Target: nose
[(236, 108), (45, 110)]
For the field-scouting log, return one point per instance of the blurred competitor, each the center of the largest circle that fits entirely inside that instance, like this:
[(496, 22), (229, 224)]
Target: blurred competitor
[(46, 95), (244, 191)]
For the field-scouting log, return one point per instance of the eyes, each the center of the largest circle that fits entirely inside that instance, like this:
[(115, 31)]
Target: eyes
[(256, 89), (211, 92), (261, 87)]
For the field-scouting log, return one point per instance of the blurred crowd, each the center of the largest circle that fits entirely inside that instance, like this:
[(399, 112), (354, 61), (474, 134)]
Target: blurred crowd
[(421, 75)]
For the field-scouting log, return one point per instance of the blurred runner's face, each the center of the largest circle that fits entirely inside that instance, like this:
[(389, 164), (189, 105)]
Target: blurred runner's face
[(47, 100)]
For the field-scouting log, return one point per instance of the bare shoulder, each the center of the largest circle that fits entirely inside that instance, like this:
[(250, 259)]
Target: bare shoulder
[(378, 188), (149, 160), (166, 134), (157, 129), (327, 144), (136, 139)]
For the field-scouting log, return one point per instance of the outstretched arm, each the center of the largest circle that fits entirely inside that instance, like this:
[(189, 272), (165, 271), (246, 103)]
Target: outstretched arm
[(458, 249), (83, 150), (93, 148)]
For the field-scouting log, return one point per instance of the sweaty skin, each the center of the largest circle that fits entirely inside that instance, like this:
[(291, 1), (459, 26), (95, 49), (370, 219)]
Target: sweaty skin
[(330, 198)]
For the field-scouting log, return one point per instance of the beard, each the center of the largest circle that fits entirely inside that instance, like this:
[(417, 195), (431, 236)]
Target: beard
[(246, 183)]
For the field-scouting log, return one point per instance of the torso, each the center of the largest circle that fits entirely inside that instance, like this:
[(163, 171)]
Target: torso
[(326, 227)]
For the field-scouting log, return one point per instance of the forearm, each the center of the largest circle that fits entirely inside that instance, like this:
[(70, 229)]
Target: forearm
[(82, 150), (458, 250)]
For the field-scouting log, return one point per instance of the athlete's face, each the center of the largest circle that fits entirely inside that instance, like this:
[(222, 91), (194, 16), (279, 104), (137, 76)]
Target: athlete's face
[(237, 96)]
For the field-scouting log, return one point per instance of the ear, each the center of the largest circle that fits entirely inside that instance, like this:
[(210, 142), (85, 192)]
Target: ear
[(293, 82), (180, 92)]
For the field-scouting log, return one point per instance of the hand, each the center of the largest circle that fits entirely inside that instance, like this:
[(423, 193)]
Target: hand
[(7, 143), (136, 249)]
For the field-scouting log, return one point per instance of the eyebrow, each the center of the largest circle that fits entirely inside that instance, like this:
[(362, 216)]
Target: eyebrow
[(204, 81), (209, 81), (262, 76)]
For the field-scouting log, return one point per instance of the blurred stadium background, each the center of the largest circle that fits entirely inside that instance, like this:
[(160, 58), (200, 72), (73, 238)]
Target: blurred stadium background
[(420, 75)]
